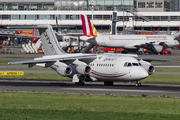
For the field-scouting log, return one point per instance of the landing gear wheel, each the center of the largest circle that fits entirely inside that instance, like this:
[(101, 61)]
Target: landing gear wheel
[(81, 80), (138, 84)]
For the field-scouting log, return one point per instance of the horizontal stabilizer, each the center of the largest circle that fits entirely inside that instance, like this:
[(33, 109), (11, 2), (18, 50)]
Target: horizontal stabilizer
[(85, 38)]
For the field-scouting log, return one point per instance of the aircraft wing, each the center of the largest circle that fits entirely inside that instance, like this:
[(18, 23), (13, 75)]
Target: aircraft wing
[(51, 61), (153, 59)]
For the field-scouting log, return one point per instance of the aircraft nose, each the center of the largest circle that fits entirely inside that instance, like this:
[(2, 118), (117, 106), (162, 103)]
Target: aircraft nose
[(143, 74)]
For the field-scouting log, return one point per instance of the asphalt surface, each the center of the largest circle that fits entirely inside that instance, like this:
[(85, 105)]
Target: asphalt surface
[(95, 88)]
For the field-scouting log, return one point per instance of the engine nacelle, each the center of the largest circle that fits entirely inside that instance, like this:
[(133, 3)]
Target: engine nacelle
[(148, 67), (157, 48), (62, 69), (83, 69)]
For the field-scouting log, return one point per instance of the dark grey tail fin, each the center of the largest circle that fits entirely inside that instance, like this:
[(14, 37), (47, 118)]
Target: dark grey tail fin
[(49, 41)]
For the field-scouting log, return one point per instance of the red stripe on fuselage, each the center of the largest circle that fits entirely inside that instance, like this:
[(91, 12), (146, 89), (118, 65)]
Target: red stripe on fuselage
[(108, 76)]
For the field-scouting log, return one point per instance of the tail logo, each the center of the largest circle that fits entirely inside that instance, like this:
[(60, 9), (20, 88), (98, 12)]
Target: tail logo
[(49, 42), (88, 29), (47, 37)]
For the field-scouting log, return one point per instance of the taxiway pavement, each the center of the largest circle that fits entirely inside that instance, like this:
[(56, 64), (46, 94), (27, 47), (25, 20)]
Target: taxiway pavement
[(94, 88)]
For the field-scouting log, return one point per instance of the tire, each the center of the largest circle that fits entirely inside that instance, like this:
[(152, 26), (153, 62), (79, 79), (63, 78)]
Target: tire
[(108, 83)]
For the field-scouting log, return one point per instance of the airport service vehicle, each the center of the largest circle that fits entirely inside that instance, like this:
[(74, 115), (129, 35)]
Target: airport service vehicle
[(166, 51), (132, 43), (1, 49), (114, 50), (89, 67), (9, 51)]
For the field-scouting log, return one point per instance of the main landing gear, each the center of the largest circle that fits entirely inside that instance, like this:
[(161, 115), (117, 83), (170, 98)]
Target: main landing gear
[(108, 83), (138, 84), (81, 80)]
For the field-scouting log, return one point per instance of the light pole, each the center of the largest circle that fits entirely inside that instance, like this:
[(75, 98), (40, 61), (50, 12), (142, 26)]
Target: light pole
[(92, 10), (123, 16)]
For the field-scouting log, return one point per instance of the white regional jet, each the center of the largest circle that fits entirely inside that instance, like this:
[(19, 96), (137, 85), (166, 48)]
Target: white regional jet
[(89, 67), (155, 43)]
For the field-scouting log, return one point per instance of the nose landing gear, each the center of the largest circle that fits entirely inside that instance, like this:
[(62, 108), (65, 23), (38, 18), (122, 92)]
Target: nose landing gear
[(138, 84)]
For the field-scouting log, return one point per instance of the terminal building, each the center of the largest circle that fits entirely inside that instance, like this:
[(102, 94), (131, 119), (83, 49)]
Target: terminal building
[(134, 14)]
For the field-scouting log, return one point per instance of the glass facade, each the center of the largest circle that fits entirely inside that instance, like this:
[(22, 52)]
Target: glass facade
[(158, 3), (70, 5), (174, 5), (141, 3), (117, 5), (26, 6), (149, 3)]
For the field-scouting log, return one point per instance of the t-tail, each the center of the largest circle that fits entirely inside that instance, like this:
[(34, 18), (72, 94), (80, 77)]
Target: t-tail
[(88, 29), (50, 43)]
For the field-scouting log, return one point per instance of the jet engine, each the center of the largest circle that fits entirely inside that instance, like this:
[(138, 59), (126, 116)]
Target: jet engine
[(148, 67), (62, 69), (82, 67)]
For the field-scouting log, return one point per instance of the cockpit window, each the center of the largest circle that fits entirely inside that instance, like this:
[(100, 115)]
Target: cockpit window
[(125, 64), (129, 64), (135, 64), (140, 64)]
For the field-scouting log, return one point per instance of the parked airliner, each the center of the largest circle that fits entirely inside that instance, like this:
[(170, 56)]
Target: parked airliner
[(155, 43), (89, 67)]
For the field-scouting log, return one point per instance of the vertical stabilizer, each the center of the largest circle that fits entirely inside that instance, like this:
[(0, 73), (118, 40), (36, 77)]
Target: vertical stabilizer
[(88, 29), (56, 24), (49, 41)]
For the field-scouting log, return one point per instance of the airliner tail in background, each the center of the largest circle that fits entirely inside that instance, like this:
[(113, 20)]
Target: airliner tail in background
[(88, 29)]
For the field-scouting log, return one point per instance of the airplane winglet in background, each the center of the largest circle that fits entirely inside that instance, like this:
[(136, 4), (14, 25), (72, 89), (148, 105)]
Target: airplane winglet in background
[(88, 29)]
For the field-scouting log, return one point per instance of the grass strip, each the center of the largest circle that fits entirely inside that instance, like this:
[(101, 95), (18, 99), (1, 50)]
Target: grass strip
[(37, 76), (4, 61), (163, 78), (159, 63), (176, 59), (33, 106), (167, 69), (25, 69)]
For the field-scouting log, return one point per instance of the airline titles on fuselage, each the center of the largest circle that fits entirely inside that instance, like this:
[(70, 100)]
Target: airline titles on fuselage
[(109, 59)]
